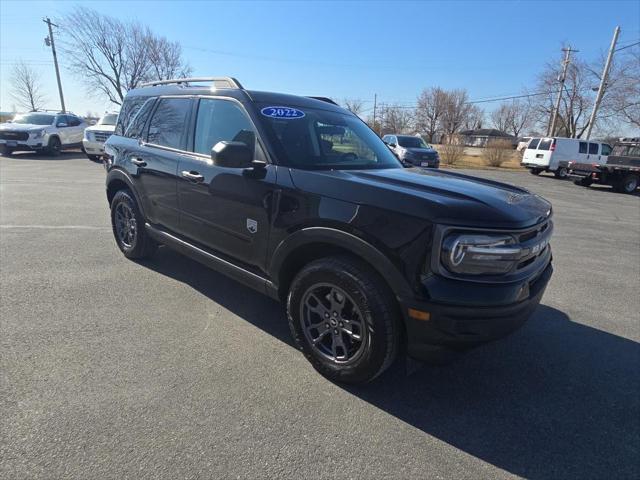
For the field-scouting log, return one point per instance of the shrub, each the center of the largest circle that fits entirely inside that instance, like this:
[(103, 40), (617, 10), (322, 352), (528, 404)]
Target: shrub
[(497, 152), (451, 153)]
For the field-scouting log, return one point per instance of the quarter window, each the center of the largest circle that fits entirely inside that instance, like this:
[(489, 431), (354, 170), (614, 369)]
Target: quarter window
[(136, 125), (168, 122), (583, 147), (220, 120), (593, 148)]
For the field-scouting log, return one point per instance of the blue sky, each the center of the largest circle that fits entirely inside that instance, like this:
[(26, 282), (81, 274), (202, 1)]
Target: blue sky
[(341, 49)]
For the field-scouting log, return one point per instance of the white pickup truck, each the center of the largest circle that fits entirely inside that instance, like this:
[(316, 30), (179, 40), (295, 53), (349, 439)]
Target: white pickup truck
[(96, 135)]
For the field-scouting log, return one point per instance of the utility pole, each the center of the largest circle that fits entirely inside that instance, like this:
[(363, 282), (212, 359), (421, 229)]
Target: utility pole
[(565, 64), (375, 105), (49, 42), (603, 81)]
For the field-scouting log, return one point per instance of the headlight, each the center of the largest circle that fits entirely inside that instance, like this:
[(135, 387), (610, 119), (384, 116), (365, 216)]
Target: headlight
[(472, 254), (88, 135), (36, 133)]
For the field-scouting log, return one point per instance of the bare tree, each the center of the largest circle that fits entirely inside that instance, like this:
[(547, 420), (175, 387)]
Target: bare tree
[(354, 105), (113, 56), (430, 110), (474, 118), (26, 87), (395, 119), (512, 117), (623, 99), (456, 113)]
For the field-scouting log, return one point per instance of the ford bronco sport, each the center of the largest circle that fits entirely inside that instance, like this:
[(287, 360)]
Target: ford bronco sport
[(299, 199)]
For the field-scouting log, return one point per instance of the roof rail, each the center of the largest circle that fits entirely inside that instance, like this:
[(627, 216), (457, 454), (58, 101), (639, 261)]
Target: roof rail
[(325, 99), (218, 82)]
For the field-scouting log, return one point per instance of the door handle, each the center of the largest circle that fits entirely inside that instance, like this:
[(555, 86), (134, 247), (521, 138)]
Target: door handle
[(193, 176), (138, 161)]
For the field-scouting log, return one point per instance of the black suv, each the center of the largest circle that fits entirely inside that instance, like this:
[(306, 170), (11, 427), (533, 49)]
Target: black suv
[(301, 200)]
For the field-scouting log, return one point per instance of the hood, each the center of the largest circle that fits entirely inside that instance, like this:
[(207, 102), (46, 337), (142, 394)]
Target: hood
[(101, 128), (438, 196), (21, 127)]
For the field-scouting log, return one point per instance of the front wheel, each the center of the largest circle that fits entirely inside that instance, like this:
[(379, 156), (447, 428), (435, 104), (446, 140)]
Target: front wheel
[(128, 227), (344, 319), (583, 182), (6, 151), (54, 147)]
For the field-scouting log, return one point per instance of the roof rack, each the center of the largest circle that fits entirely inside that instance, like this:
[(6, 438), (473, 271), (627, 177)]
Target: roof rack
[(218, 82), (325, 99)]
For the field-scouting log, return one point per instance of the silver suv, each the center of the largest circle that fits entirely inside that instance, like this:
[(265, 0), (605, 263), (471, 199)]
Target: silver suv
[(42, 131)]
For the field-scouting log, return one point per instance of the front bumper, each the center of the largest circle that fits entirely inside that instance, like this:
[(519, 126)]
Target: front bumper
[(93, 148), (451, 328), (30, 144)]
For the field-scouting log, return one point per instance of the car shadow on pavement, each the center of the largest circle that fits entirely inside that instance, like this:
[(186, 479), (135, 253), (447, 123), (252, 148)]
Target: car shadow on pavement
[(557, 399), (66, 155)]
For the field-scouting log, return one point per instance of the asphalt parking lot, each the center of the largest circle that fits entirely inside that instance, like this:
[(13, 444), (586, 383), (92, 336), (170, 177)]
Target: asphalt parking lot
[(164, 369)]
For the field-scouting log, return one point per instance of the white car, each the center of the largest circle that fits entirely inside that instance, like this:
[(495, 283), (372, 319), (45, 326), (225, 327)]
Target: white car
[(554, 154), (41, 131), (96, 135)]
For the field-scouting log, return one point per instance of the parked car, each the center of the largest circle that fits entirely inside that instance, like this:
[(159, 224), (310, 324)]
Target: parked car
[(412, 150), (96, 135), (554, 154), (42, 131), (621, 170), (370, 258)]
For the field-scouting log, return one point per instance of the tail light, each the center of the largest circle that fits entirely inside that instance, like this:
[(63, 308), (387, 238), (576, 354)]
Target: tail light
[(553, 145)]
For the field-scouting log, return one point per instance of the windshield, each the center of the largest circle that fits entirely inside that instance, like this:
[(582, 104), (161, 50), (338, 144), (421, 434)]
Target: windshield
[(411, 142), (109, 119), (323, 139), (35, 119)]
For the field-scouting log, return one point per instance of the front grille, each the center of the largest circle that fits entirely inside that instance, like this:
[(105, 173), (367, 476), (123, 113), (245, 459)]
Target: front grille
[(534, 242), (101, 136), (8, 135)]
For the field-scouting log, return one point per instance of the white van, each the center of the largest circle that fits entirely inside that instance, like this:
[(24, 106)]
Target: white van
[(554, 154)]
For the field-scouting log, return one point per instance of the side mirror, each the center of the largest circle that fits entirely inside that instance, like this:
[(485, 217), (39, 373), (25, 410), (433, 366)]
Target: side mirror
[(232, 155), (61, 124)]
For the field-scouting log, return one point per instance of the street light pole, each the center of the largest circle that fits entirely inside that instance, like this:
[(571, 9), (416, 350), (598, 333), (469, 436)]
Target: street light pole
[(49, 41), (603, 82)]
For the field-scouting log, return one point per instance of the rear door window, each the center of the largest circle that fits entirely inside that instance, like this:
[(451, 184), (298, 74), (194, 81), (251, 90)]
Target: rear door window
[(533, 144), (545, 144), (168, 121), (583, 147), (593, 148)]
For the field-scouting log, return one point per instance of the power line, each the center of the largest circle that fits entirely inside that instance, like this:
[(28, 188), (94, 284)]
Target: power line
[(627, 46)]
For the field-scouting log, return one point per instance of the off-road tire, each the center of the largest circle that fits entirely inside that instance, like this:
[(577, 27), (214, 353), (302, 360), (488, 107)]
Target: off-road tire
[(371, 296), (142, 246)]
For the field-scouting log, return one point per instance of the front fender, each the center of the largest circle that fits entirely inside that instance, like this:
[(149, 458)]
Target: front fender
[(339, 238)]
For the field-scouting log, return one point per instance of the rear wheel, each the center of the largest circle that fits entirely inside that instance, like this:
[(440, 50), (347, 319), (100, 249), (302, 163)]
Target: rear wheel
[(128, 227), (54, 147), (627, 184), (561, 172), (344, 319)]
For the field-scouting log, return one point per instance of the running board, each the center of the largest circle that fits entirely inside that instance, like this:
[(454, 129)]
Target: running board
[(214, 262)]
